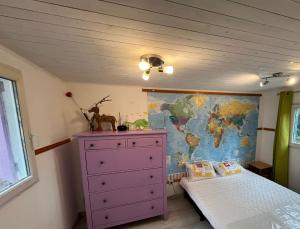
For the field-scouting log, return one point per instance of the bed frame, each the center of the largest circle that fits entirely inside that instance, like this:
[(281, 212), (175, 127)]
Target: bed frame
[(187, 196)]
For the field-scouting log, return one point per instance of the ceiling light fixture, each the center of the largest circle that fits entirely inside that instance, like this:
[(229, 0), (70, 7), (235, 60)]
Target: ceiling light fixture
[(168, 70), (265, 80), (149, 61), (144, 65), (146, 75), (263, 83), (291, 81)]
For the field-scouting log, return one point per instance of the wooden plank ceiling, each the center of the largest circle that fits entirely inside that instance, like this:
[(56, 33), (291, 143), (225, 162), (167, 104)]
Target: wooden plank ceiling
[(212, 44)]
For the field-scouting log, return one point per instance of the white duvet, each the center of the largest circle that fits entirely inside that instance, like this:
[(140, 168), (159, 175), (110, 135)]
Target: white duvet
[(245, 201)]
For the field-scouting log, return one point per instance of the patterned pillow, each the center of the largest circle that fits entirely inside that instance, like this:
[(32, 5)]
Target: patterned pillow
[(227, 168), (200, 170)]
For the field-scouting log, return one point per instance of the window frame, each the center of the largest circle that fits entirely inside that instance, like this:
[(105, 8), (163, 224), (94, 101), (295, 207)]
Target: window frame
[(14, 74), (294, 108)]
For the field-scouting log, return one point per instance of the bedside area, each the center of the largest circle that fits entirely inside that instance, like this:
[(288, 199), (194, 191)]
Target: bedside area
[(261, 168)]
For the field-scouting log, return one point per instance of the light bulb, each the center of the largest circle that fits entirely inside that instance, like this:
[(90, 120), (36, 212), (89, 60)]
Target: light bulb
[(169, 70), (146, 76), (261, 84), (291, 81), (144, 65)]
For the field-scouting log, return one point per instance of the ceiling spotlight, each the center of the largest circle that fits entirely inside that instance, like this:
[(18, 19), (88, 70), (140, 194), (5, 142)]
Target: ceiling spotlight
[(146, 75), (291, 62), (263, 83), (291, 81), (276, 75), (144, 65), (160, 69), (168, 70), (150, 61)]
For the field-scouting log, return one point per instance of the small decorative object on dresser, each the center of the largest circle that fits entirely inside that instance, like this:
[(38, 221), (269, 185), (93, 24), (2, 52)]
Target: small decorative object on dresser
[(95, 122), (124, 176), (121, 127), (139, 124), (97, 119), (261, 168)]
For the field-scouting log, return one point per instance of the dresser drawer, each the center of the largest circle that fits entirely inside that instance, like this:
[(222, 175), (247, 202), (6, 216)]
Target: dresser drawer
[(115, 181), (125, 196), (144, 142), (105, 144), (114, 215), (107, 161)]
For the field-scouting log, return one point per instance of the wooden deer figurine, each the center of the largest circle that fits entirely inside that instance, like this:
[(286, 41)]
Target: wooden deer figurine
[(98, 119)]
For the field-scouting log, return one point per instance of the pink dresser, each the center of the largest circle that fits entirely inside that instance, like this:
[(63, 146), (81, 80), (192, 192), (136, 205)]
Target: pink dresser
[(124, 176)]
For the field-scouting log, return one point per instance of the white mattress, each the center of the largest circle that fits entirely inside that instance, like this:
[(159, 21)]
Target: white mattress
[(245, 201)]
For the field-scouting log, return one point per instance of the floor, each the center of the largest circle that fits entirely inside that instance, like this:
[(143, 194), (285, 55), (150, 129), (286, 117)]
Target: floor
[(181, 216)]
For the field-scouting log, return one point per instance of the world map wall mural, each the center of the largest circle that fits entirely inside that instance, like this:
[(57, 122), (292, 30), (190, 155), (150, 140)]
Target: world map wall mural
[(205, 127)]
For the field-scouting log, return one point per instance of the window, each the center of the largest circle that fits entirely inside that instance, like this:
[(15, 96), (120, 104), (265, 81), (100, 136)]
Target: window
[(296, 126), (17, 168)]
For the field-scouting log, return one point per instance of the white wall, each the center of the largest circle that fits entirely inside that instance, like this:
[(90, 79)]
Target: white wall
[(50, 203), (267, 119), (130, 101), (294, 169)]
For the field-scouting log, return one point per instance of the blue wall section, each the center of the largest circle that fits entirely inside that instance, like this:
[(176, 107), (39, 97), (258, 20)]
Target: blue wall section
[(205, 127)]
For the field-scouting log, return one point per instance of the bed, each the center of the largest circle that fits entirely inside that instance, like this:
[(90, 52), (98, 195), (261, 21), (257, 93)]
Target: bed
[(245, 201)]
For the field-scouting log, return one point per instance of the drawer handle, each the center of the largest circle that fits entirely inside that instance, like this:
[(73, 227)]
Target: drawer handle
[(119, 143), (151, 176), (152, 192), (103, 183), (156, 141), (106, 217), (150, 157), (133, 143), (92, 145), (152, 207), (104, 200), (101, 162)]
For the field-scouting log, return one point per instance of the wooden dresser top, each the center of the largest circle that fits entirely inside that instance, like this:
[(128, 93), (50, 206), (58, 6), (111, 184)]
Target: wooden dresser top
[(119, 133)]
